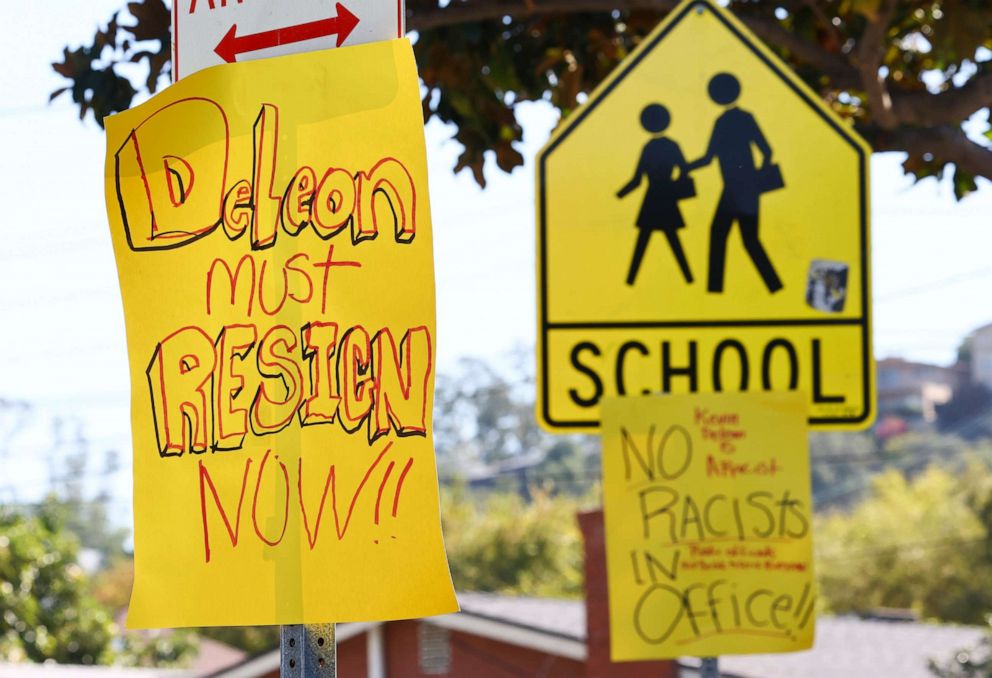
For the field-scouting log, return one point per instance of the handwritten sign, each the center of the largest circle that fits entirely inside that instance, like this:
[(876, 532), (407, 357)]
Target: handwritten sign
[(708, 525), (272, 229)]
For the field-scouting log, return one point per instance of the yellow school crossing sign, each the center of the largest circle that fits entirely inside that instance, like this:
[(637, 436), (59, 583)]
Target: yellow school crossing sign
[(703, 227)]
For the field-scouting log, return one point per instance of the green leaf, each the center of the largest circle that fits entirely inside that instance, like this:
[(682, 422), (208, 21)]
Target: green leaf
[(964, 183)]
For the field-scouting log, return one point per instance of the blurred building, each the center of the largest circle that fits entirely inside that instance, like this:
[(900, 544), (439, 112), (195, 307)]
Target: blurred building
[(910, 391), (980, 342)]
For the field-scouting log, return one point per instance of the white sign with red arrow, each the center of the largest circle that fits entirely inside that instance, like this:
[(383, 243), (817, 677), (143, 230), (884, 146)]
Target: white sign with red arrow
[(211, 32)]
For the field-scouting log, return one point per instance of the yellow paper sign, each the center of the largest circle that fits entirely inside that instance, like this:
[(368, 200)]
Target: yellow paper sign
[(708, 525), (272, 229), (721, 240)]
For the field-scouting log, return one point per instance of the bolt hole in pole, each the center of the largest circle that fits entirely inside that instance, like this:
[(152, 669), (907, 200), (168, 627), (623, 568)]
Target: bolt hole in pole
[(313, 656)]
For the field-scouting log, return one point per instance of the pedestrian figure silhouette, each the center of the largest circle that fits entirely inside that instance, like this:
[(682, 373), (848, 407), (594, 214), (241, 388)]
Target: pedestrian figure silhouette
[(660, 209), (743, 183)]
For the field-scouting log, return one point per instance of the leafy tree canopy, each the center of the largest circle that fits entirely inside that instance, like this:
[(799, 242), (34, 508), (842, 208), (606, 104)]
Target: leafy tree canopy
[(503, 544), (924, 544), (46, 610), (908, 73), (51, 610)]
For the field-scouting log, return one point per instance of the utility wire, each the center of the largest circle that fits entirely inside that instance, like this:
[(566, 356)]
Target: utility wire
[(936, 285)]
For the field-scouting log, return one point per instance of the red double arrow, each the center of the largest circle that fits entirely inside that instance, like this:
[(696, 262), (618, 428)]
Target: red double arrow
[(231, 45)]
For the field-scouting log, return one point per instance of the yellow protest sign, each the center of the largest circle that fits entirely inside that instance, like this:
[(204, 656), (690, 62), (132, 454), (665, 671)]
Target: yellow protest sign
[(708, 517), (719, 241), (272, 229)]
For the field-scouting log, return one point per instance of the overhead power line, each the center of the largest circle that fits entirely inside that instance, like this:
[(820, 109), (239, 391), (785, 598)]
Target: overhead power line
[(935, 285)]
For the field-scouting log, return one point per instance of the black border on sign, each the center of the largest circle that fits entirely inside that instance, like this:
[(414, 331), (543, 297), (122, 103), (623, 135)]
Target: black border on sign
[(862, 321)]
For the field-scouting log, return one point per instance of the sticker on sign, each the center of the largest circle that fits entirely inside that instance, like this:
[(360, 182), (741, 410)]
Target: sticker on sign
[(211, 32)]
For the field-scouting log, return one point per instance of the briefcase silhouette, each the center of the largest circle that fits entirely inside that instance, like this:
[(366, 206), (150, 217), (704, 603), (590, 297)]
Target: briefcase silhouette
[(770, 178), (684, 187)]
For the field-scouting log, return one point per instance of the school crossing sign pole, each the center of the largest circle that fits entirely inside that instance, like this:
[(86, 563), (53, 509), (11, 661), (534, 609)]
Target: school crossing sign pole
[(703, 226)]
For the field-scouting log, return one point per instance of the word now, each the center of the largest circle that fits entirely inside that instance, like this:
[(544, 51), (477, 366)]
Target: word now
[(311, 520), (184, 191), (203, 399)]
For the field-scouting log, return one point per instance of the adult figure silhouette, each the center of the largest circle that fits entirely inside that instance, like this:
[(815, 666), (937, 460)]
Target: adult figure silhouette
[(660, 209), (730, 143)]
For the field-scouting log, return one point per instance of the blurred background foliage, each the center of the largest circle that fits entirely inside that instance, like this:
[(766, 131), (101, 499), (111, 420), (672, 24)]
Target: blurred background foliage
[(906, 73), (903, 521)]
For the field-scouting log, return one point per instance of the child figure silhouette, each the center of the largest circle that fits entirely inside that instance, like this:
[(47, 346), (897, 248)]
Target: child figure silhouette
[(660, 209)]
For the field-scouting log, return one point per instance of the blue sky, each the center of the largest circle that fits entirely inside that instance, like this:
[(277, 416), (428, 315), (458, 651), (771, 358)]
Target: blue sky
[(62, 344)]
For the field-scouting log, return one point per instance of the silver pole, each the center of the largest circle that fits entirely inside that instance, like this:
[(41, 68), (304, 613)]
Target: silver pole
[(308, 651), (709, 668)]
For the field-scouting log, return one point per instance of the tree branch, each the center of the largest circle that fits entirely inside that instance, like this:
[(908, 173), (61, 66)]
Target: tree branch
[(828, 25), (951, 106), (835, 67), (946, 144), (871, 50), (842, 74), (489, 10)]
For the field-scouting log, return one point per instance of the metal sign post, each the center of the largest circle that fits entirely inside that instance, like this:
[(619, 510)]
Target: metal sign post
[(709, 667), (308, 651)]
